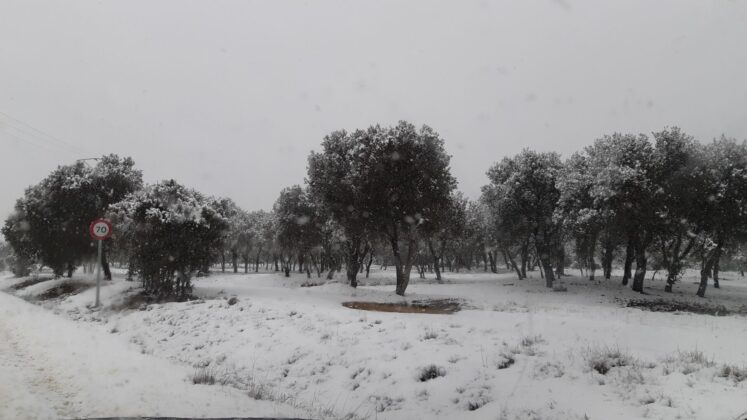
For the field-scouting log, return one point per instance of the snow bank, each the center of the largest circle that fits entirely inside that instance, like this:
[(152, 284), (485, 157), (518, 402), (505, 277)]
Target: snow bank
[(518, 350), (52, 367)]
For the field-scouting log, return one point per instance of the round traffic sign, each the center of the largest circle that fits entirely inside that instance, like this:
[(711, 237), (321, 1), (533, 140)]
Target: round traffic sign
[(100, 229)]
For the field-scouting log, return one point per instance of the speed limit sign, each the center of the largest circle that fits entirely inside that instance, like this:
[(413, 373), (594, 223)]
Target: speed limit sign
[(100, 229)]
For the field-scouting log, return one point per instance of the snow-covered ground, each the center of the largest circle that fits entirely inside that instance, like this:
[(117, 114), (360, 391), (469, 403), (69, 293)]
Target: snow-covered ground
[(515, 350), (52, 367)]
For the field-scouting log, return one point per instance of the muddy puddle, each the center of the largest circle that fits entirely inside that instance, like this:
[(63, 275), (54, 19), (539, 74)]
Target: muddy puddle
[(440, 307), (661, 305)]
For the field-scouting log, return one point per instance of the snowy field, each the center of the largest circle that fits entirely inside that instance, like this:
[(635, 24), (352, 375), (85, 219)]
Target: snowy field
[(515, 350)]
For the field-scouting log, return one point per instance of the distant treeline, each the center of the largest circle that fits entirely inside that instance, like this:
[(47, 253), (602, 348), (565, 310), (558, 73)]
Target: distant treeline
[(386, 195)]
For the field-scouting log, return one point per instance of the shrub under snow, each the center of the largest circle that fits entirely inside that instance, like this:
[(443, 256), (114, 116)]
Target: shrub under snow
[(171, 232)]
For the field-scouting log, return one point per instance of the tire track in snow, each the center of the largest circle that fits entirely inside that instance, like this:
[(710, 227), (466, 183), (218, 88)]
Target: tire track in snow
[(52, 367), (28, 390)]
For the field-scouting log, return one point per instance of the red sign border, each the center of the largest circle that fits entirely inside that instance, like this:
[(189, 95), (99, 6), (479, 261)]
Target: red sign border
[(97, 238)]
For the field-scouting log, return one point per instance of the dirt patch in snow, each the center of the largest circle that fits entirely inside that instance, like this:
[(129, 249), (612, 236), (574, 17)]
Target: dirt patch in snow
[(141, 300), (311, 284), (64, 289), (440, 307), (30, 282), (662, 305)]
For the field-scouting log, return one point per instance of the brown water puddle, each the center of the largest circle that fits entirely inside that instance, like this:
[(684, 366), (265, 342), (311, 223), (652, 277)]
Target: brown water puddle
[(440, 307)]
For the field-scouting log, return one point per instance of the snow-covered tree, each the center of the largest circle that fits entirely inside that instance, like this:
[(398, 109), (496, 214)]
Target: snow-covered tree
[(681, 201), (725, 173), (505, 229), (297, 226), (445, 226), (523, 196), (623, 189), (19, 251), (262, 234), (336, 176), (172, 232), (383, 180), (407, 180), (236, 218), (578, 212), (56, 212)]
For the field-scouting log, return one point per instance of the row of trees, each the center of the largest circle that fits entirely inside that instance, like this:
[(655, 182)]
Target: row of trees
[(386, 194), (50, 222), (669, 199)]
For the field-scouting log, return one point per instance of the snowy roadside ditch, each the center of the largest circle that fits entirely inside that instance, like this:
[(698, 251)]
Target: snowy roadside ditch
[(302, 348)]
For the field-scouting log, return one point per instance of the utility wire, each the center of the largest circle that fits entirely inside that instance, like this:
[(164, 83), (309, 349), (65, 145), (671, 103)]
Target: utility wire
[(25, 140), (27, 131)]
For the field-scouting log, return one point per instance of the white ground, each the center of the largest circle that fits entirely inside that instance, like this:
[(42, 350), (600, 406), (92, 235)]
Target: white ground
[(303, 354)]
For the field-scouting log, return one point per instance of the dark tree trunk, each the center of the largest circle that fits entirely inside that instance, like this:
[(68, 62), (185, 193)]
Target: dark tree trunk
[(70, 270), (511, 260), (493, 265), (223, 261), (547, 268), (560, 270), (352, 270), (608, 255), (629, 257), (640, 269), (524, 255), (332, 267), (716, 263), (607, 262), (130, 269), (353, 264), (708, 266), (368, 264), (436, 260), (592, 267), (674, 258), (671, 279), (398, 267), (105, 264), (591, 264), (317, 265), (235, 261), (246, 266), (670, 262), (402, 268), (704, 277)]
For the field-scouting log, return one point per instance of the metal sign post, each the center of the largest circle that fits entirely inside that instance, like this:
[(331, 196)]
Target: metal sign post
[(98, 276), (99, 230)]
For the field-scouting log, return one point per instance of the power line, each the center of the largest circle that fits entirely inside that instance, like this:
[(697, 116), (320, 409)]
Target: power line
[(41, 136), (28, 141)]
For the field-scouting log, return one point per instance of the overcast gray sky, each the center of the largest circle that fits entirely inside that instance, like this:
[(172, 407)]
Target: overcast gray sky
[(229, 97)]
